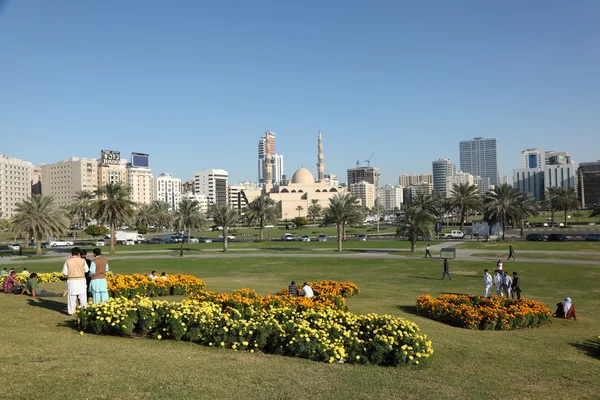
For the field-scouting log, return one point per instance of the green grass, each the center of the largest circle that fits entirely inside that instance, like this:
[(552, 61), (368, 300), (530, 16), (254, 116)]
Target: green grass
[(546, 256), (525, 245), (550, 361)]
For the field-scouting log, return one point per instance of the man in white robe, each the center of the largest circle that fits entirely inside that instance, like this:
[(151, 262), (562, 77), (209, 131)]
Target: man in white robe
[(498, 282), (507, 284), (487, 283), (75, 269)]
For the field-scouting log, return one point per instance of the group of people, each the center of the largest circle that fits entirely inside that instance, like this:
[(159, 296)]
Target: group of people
[(306, 290), (153, 275), (505, 284)]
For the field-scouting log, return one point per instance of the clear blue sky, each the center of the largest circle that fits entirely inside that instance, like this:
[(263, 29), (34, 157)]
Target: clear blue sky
[(196, 83)]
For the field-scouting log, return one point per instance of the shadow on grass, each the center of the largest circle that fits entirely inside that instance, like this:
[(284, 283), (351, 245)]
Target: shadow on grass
[(408, 309), (589, 347), (49, 305), (425, 277)]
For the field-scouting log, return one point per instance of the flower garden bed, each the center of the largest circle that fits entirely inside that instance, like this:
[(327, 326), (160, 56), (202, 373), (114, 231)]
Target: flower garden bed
[(130, 286), (43, 277), (475, 312)]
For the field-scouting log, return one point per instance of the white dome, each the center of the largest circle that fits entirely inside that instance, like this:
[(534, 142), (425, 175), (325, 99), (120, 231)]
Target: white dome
[(303, 177)]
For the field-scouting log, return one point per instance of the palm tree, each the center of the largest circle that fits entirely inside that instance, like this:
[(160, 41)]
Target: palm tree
[(501, 206), (526, 207), (145, 216), (343, 210), (263, 210), (37, 216), (82, 206), (113, 208), (314, 210), (430, 202), (163, 216), (188, 216), (415, 222), (224, 216), (566, 200), (464, 197), (551, 200), (299, 209)]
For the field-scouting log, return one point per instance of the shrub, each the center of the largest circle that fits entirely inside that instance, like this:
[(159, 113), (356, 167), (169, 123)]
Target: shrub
[(140, 285), (96, 230)]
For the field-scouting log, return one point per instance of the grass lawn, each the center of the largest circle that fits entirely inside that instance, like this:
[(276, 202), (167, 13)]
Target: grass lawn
[(547, 256), (554, 361), (525, 245)]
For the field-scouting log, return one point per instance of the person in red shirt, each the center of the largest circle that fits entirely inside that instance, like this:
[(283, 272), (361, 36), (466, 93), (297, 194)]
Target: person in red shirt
[(11, 285)]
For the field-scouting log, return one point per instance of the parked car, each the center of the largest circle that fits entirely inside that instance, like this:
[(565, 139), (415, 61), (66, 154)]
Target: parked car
[(269, 226), (558, 225), (557, 237), (57, 243), (14, 246), (191, 240), (322, 238), (536, 237), (455, 235), (157, 241), (362, 238), (33, 244), (287, 237), (204, 239), (305, 238), (229, 237), (176, 239), (593, 237), (129, 242), (100, 242)]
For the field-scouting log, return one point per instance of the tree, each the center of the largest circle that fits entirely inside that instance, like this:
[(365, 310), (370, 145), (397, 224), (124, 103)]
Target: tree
[(300, 221), (343, 210), (145, 216), (551, 200), (565, 199), (500, 206), (314, 210), (96, 230), (464, 197), (160, 209), (113, 208), (594, 212), (299, 209), (189, 216), (224, 216), (415, 222), (38, 216), (430, 202), (263, 210), (526, 207), (142, 230), (82, 206)]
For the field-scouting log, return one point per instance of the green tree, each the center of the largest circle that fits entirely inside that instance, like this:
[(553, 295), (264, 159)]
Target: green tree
[(430, 202), (142, 230), (464, 197), (594, 212), (501, 206), (299, 209), (81, 208), (164, 217), (415, 222), (526, 207), (551, 201), (188, 216), (113, 208), (225, 216), (262, 211), (314, 210), (38, 216), (343, 210), (565, 199), (300, 222), (145, 216), (96, 230)]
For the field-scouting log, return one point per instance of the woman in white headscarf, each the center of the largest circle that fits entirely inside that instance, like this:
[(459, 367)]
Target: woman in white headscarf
[(565, 309)]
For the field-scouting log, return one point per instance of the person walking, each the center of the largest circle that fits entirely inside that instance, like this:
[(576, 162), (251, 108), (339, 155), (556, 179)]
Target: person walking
[(98, 271), (516, 286), (498, 280), (507, 284), (427, 252), (446, 269), (75, 269), (511, 253), (181, 251), (487, 283)]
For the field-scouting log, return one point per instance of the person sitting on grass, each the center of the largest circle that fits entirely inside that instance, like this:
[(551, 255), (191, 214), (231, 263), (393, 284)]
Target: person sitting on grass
[(33, 287), (293, 289), (565, 309), (307, 291), (3, 271), (11, 285)]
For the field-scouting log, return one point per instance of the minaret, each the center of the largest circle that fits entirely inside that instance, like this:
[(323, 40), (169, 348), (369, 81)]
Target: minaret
[(320, 164)]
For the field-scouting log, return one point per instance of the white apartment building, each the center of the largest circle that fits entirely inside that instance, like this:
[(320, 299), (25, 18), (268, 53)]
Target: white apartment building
[(277, 168), (559, 175), (409, 180), (391, 198), (364, 192), (242, 194), (112, 173), (200, 198), (483, 184), (212, 183), (411, 192), (167, 189), (141, 181), (332, 180), (62, 180), (15, 183), (457, 179), (479, 157), (442, 170), (532, 158)]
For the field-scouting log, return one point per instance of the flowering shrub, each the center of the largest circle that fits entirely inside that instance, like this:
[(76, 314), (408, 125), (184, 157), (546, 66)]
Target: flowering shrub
[(330, 288), (327, 335), (42, 277), (475, 312), (140, 285)]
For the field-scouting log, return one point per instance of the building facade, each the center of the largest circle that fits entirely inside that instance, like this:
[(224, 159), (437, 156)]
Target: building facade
[(409, 193), (62, 180), (532, 158), (559, 175), (479, 157), (365, 193), (391, 198), (409, 180), (277, 169), (168, 190), (15, 184), (332, 180), (241, 195), (212, 183), (458, 178), (200, 198), (36, 181), (266, 151), (141, 182), (442, 170), (368, 174), (589, 183), (530, 180)]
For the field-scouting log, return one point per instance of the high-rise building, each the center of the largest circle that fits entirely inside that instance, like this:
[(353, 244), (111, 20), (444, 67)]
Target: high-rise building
[(368, 174), (530, 180), (241, 195), (36, 181), (532, 158), (277, 169), (458, 178), (15, 184), (200, 198), (62, 180), (482, 184), (266, 151), (187, 186), (589, 183), (442, 169), (168, 190), (141, 182), (391, 198), (365, 192), (479, 157), (556, 157), (409, 180), (212, 183), (409, 193)]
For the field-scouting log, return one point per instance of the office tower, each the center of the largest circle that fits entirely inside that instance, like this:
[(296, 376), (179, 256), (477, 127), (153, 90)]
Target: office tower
[(442, 169), (139, 178), (589, 183), (532, 158), (530, 180), (266, 151), (212, 183), (368, 174), (168, 190), (277, 169), (241, 195), (479, 157), (62, 180), (15, 183)]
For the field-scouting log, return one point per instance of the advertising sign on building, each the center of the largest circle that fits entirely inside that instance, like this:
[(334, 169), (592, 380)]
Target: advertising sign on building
[(140, 160), (109, 157)]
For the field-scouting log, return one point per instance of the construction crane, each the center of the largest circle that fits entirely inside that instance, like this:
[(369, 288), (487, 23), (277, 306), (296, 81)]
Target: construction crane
[(357, 163), (368, 160)]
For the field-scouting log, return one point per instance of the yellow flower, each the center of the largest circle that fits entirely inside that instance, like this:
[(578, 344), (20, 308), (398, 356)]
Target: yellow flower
[(81, 332)]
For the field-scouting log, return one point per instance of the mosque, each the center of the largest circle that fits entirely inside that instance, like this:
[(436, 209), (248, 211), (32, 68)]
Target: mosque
[(303, 189)]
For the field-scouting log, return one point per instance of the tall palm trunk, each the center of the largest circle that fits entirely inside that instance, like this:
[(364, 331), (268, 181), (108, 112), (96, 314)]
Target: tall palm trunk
[(522, 227), (552, 214), (503, 231), (565, 217), (113, 238), (261, 236), (413, 243), (189, 233), (339, 237), (462, 219), (38, 245), (225, 233)]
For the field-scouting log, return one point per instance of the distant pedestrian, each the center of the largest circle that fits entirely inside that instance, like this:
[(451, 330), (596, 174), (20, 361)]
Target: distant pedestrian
[(516, 286), (181, 251), (498, 281), (446, 269), (487, 283), (427, 252), (293, 289), (499, 266), (511, 253), (507, 284)]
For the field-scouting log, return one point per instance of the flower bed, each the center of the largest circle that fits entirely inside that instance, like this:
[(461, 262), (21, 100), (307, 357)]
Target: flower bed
[(475, 312), (330, 288), (42, 277), (327, 335), (140, 285)]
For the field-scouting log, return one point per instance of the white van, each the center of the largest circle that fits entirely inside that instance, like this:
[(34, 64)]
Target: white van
[(287, 237)]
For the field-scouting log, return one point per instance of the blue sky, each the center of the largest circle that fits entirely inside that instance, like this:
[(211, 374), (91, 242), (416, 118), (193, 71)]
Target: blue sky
[(196, 83)]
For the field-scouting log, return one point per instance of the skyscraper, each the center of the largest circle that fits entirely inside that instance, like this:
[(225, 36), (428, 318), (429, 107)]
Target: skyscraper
[(532, 158), (212, 183), (442, 169), (589, 183), (409, 180), (266, 151), (367, 174), (479, 157)]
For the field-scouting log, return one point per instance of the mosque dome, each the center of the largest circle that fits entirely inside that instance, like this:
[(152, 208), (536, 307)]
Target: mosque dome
[(303, 177)]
